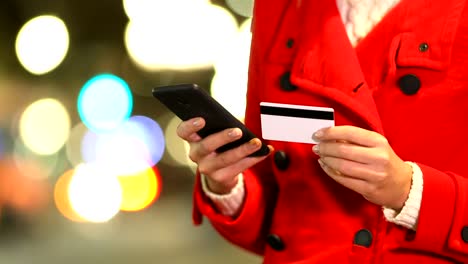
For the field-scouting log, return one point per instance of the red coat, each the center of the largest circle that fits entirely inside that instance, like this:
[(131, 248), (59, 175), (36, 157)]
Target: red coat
[(408, 79)]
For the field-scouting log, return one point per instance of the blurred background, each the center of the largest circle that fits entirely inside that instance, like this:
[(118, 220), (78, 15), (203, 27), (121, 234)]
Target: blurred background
[(91, 169)]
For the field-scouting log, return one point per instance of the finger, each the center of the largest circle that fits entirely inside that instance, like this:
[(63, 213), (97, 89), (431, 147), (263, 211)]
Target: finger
[(344, 150), (230, 157), (240, 166), (212, 142), (348, 168), (350, 134), (186, 129), (354, 184)]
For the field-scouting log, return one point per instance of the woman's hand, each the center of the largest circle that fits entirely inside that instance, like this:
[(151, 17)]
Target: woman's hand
[(364, 162), (221, 169)]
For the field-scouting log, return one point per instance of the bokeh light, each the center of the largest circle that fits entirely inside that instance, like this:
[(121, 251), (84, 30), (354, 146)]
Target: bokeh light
[(94, 193), (132, 147), (202, 30), (140, 190), (42, 44), (177, 148), (241, 7), (137, 9), (150, 133), (104, 102), (229, 85), (21, 190), (61, 197), (45, 126), (2, 144), (74, 142), (31, 164)]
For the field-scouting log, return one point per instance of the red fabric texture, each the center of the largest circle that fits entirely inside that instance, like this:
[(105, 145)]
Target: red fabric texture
[(315, 217)]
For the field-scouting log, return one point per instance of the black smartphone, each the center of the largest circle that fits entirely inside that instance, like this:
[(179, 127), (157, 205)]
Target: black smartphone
[(189, 100)]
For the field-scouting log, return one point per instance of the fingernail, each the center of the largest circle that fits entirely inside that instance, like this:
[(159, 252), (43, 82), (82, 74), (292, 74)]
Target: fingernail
[(197, 122), (254, 143), (234, 132), (316, 149), (318, 134)]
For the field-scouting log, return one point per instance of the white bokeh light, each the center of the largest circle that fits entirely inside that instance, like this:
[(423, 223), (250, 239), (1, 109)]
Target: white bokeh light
[(42, 44), (229, 85), (45, 126), (94, 194), (177, 38)]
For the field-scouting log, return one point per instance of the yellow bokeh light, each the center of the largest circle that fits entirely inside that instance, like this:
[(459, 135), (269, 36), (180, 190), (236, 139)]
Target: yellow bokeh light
[(241, 7), (42, 44), (179, 38), (139, 190), (45, 126), (95, 195), (62, 202), (177, 148), (229, 85), (73, 144)]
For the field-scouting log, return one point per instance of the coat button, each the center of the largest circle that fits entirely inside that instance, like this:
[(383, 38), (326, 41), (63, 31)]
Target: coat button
[(275, 242), (363, 238), (409, 84), (423, 47), (290, 43), (285, 82), (464, 234), (281, 160)]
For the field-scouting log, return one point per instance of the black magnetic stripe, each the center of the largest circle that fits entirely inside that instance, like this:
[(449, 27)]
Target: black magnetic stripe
[(305, 113)]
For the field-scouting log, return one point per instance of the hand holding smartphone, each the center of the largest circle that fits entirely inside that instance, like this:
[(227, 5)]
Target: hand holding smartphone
[(188, 101)]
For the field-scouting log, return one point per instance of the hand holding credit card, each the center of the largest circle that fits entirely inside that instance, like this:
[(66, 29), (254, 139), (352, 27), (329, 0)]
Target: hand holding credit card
[(294, 123)]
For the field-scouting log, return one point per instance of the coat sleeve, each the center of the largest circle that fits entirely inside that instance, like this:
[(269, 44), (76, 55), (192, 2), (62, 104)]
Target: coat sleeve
[(443, 220), (250, 228)]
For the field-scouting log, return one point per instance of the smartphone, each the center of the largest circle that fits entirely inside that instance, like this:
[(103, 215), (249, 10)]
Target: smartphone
[(189, 100)]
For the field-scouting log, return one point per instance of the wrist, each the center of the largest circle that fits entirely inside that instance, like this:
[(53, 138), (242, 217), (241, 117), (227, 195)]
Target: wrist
[(221, 187), (406, 188)]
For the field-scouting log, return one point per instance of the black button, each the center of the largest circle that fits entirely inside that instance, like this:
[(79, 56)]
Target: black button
[(290, 43), (410, 235), (285, 83), (275, 242), (363, 238), (281, 160), (423, 47), (409, 84), (464, 234)]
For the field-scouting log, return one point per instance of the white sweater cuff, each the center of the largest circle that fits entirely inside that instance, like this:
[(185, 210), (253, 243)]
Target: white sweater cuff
[(227, 204), (409, 214)]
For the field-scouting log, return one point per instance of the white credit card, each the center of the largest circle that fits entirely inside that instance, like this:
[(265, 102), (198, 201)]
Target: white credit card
[(294, 123)]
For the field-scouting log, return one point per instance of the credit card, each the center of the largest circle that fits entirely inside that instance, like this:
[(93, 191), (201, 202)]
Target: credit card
[(294, 123)]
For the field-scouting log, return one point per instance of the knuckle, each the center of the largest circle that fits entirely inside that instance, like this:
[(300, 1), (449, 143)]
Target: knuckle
[(383, 158), (223, 160), (343, 167), (382, 140), (343, 150), (370, 191), (203, 147)]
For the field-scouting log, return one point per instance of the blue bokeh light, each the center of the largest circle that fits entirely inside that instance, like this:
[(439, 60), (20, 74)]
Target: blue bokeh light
[(134, 146), (104, 102), (151, 134)]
